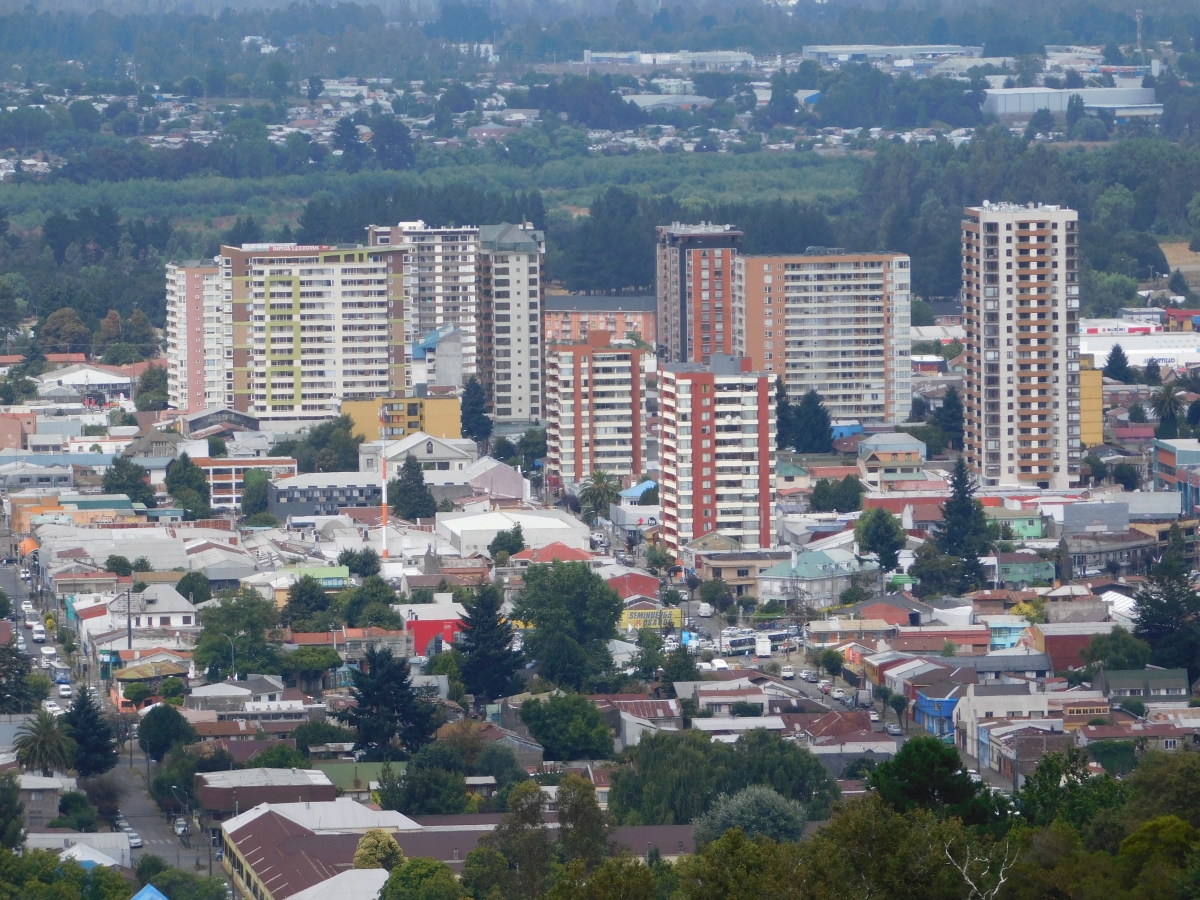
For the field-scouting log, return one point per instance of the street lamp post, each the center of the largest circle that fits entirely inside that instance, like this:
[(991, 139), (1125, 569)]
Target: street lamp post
[(232, 656)]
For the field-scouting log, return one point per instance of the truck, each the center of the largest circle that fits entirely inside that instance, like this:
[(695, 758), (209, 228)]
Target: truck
[(762, 645)]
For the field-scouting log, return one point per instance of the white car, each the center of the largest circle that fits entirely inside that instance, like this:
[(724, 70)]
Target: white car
[(787, 673), (26, 606), (893, 729), (837, 693), (135, 840), (21, 645), (64, 690), (874, 716), (974, 775), (51, 707)]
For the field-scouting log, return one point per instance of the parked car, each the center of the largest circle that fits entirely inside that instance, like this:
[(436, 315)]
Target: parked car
[(893, 729), (51, 707), (874, 716), (135, 840), (787, 673), (974, 775), (64, 690), (180, 826), (837, 693)]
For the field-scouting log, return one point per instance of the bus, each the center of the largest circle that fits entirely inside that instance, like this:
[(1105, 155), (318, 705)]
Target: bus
[(738, 643), (60, 672)]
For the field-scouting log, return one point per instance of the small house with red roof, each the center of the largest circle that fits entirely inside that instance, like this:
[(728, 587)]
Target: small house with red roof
[(556, 551), (632, 583)]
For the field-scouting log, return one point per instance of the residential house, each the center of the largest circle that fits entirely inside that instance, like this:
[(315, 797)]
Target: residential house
[(1150, 685), (1168, 737), (1005, 631), (981, 703), (740, 569), (884, 459), (934, 707), (40, 796), (721, 700), (1062, 641), (1023, 569), (816, 577), (828, 632), (1026, 524)]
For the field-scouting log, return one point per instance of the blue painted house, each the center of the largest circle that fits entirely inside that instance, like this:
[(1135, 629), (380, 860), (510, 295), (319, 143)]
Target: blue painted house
[(934, 709)]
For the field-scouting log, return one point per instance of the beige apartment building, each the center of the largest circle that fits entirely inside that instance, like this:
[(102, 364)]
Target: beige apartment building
[(441, 283), (511, 268), (830, 321), (313, 325), (595, 409), (693, 272), (1020, 309)]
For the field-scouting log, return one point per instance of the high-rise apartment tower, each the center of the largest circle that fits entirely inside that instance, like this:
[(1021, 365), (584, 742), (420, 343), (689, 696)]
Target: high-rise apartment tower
[(718, 452), (199, 336), (1020, 310), (694, 266), (829, 321)]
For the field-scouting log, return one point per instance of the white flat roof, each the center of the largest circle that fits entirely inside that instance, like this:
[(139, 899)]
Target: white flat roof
[(266, 778)]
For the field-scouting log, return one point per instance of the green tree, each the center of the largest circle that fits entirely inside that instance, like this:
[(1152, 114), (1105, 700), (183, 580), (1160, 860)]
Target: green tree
[(600, 490), (12, 834), (126, 477), (1116, 366), (161, 729), (812, 430), (137, 693), (1126, 475), (254, 492), (574, 614), (522, 865), (243, 619), (64, 332), (476, 424), (649, 657), (899, 705), (949, 418), (927, 774), (409, 495), (95, 744), (1116, 650), (963, 534), (195, 586), (142, 564), (758, 811), (187, 483), (878, 531), (434, 783), (306, 599), (583, 828), (569, 726), (510, 542), (118, 565), (179, 884), (329, 447), (45, 743), (1168, 402), (150, 393), (1062, 787), (308, 663), (312, 733), (422, 878), (19, 692), (378, 850), (491, 664), (679, 665), (148, 866), (831, 661), (784, 416), (388, 715)]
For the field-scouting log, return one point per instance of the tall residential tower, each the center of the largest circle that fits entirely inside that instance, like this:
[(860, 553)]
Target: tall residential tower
[(829, 321), (1021, 310), (694, 266), (199, 336)]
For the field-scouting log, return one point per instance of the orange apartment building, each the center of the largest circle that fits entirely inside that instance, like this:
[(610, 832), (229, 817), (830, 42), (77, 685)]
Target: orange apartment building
[(595, 409), (570, 318), (833, 322), (693, 272), (226, 477)]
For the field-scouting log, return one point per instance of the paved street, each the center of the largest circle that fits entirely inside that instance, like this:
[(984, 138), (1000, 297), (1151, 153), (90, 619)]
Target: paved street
[(139, 809)]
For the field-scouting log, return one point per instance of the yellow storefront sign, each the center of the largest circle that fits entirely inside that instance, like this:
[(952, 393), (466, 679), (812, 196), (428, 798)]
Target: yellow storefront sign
[(651, 618)]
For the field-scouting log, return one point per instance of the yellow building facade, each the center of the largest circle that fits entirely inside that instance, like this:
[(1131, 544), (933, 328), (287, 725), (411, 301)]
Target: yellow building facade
[(436, 416), (1091, 407)]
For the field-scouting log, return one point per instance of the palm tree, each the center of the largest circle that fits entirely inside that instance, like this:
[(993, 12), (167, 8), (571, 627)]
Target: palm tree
[(45, 743), (600, 490), (1167, 401)]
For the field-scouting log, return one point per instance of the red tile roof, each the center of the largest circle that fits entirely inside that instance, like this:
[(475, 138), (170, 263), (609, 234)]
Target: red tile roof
[(555, 551)]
